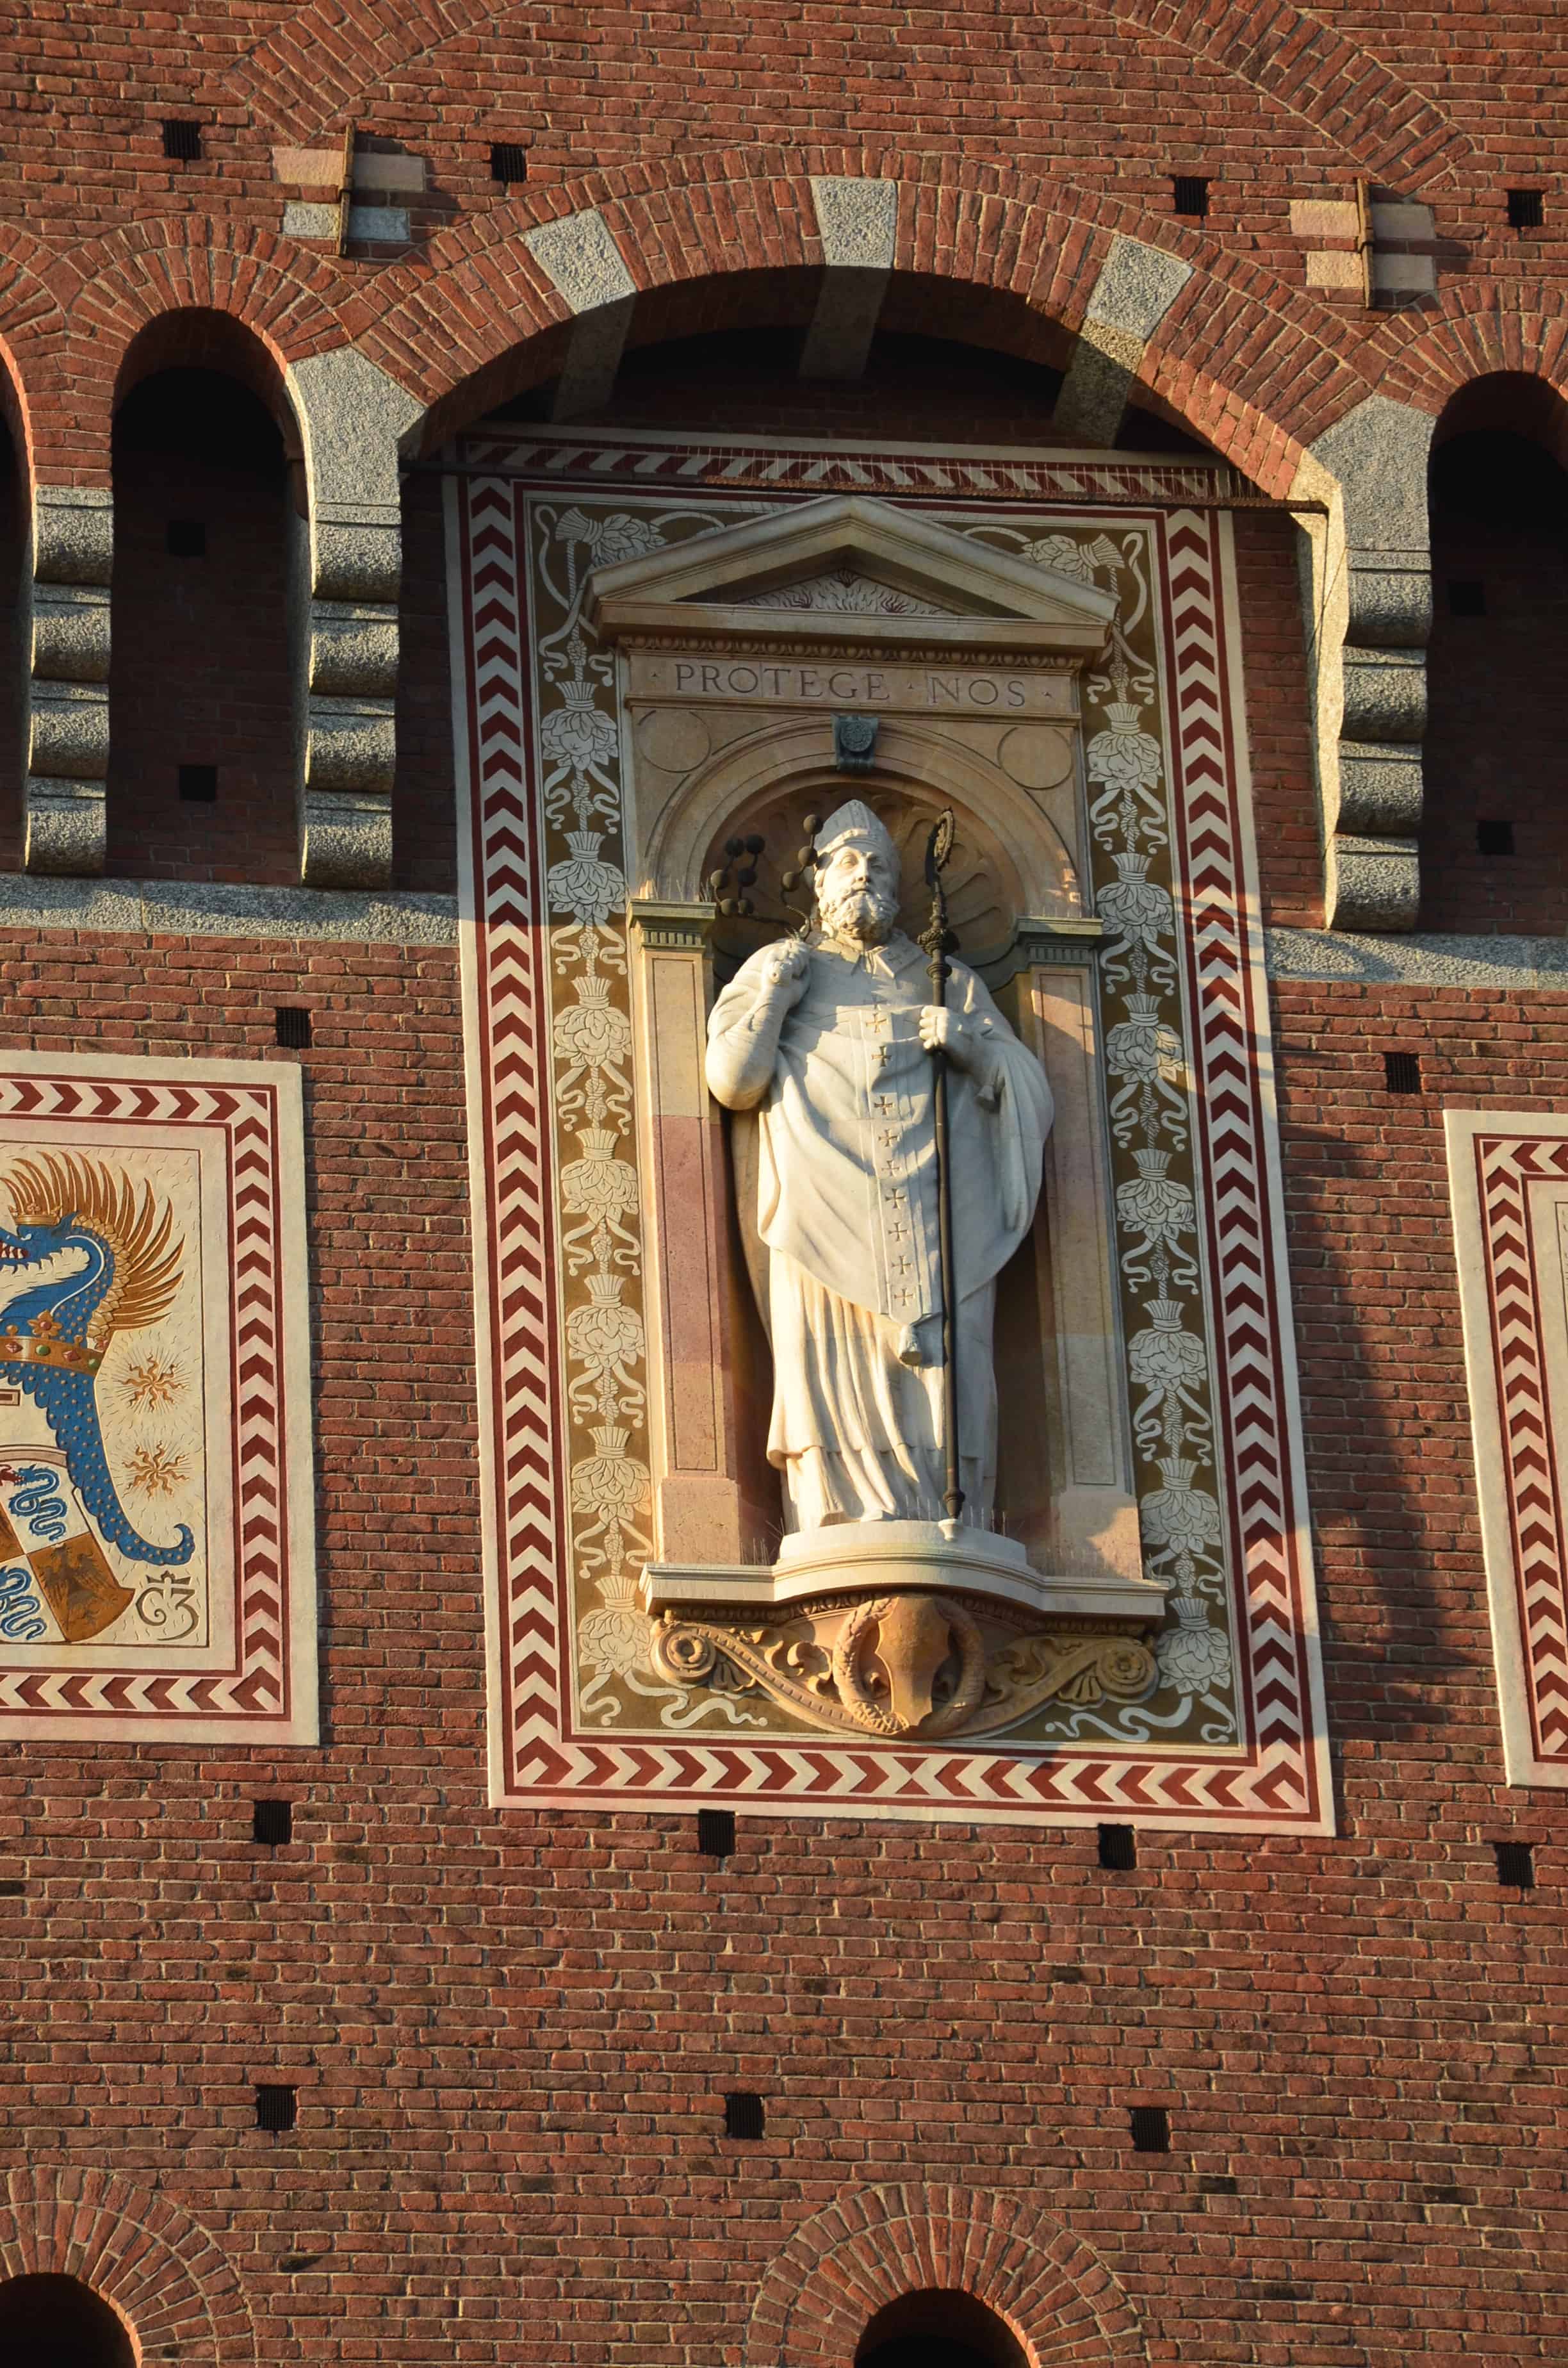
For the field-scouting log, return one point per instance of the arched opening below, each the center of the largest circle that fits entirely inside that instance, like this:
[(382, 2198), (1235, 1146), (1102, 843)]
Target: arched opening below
[(202, 753), (940, 2327), (50, 2321), (915, 387), (1494, 836)]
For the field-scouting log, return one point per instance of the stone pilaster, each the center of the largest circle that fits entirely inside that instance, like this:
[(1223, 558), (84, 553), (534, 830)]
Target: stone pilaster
[(346, 568), (70, 552), (1367, 594)]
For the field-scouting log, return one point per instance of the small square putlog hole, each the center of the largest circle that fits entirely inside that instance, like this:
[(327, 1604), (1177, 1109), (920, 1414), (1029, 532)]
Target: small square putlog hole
[(1526, 208), (1515, 1864), (743, 2114), (1190, 194), (1118, 1849), (1402, 1073), (199, 784), (275, 2107), (1150, 2127), (272, 1822), (185, 539), (292, 1027), (1495, 839), (182, 141), (716, 1832), (508, 162)]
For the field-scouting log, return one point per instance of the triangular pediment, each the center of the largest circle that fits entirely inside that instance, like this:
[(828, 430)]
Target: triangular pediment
[(849, 567)]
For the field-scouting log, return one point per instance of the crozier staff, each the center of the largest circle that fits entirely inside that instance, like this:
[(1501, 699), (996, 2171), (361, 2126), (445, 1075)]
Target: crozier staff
[(828, 1042)]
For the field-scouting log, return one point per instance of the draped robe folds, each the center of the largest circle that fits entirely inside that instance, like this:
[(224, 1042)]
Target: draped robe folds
[(846, 1207)]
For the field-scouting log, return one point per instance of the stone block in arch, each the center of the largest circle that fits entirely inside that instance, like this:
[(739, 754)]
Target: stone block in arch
[(157, 2267), (848, 2262)]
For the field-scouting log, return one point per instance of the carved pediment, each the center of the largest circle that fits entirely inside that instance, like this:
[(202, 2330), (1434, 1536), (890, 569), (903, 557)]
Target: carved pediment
[(848, 593), (848, 571)]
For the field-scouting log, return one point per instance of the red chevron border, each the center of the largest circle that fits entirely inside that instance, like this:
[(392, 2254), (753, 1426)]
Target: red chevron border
[(1508, 1174), (260, 1687), (1276, 1780)]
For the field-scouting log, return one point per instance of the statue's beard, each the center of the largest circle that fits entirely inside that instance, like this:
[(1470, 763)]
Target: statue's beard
[(864, 914)]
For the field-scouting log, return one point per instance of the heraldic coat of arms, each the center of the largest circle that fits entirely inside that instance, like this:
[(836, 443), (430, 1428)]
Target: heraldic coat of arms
[(87, 1255)]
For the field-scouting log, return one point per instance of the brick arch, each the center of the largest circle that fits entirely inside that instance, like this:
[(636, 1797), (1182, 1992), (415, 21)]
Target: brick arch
[(1316, 73), (840, 2268), (1498, 325), (1255, 367), (317, 67), (32, 329), (115, 288), (159, 2269), (197, 337)]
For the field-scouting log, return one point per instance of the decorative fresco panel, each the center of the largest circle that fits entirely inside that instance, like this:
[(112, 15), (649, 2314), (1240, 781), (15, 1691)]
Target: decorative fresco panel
[(156, 1504), (1231, 1731), (1508, 1176)]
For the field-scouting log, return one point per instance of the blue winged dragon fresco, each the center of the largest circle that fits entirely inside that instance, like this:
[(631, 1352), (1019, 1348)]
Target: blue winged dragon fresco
[(85, 1257)]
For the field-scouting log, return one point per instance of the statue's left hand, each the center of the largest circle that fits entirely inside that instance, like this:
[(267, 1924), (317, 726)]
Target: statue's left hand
[(942, 1031)]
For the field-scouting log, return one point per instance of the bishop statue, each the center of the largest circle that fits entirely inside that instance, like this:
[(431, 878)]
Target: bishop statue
[(827, 1044)]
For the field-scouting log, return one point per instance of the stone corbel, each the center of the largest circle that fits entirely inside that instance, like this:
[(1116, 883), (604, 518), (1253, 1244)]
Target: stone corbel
[(71, 556), (1368, 592), (346, 570)]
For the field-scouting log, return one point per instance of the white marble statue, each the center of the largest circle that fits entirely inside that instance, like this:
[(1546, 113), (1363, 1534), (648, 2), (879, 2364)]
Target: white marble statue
[(829, 1042)]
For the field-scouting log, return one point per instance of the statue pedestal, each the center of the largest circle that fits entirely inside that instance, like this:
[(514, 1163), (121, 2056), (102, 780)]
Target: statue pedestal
[(942, 1557), (904, 1630)]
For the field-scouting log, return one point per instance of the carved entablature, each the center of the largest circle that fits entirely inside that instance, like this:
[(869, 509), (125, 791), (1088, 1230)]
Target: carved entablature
[(737, 653)]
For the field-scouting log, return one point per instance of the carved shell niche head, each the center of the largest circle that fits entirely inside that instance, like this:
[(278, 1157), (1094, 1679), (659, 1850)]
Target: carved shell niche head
[(984, 893)]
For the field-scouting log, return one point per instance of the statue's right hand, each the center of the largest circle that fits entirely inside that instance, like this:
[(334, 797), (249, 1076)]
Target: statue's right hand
[(785, 971)]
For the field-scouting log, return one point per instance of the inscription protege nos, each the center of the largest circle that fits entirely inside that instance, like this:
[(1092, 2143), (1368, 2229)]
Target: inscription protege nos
[(924, 689)]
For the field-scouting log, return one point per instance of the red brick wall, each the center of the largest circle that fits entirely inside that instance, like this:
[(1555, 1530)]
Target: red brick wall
[(511, 2034), (199, 670), (1497, 734)]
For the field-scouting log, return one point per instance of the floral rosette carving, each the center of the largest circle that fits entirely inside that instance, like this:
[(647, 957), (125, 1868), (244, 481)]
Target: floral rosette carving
[(1193, 1658), (1146, 1053), (1159, 1210), (1141, 914), (1170, 1365), (585, 885)]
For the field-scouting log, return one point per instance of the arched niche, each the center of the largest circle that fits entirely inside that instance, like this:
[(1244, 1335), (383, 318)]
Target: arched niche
[(737, 651), (49, 2320), (1495, 832), (1016, 853), (202, 751)]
